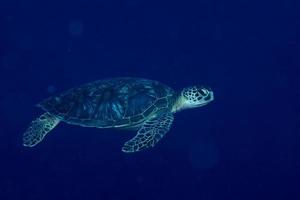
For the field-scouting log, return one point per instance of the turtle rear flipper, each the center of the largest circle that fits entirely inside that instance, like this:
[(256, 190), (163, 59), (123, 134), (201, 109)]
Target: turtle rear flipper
[(150, 133), (38, 129)]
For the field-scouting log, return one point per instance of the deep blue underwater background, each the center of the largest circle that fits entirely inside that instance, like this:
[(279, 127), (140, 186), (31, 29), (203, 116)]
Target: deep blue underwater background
[(244, 145)]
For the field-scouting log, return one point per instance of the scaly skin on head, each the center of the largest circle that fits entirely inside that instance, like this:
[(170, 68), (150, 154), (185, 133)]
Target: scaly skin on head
[(192, 97)]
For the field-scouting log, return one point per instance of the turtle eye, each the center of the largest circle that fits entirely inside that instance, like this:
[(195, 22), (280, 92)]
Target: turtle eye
[(202, 92)]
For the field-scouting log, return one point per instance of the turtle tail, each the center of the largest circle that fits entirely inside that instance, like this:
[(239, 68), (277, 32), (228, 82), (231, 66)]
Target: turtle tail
[(38, 129)]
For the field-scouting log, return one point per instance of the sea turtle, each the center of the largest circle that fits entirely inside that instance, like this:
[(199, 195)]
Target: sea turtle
[(123, 103)]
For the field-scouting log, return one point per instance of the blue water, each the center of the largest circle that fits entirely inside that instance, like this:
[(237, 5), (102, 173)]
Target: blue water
[(244, 145)]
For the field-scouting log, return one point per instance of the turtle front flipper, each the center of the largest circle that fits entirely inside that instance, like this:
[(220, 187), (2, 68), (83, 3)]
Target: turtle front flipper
[(150, 133), (38, 129)]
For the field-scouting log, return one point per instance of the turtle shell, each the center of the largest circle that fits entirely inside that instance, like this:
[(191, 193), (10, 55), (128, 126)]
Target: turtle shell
[(117, 102)]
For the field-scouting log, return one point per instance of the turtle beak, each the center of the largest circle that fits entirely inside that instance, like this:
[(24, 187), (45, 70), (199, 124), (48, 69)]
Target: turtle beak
[(210, 96)]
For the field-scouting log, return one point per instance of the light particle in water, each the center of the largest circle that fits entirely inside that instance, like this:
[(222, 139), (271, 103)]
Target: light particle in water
[(51, 89), (75, 28)]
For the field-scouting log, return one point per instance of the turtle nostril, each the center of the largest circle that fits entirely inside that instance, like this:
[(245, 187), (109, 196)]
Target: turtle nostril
[(202, 92)]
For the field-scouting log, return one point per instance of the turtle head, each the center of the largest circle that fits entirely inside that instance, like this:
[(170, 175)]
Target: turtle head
[(192, 97)]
